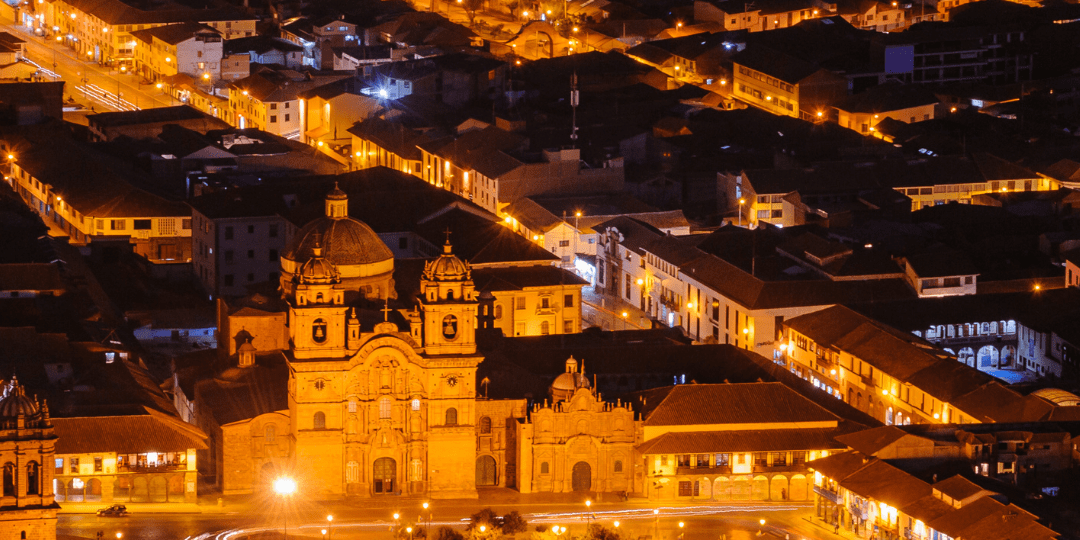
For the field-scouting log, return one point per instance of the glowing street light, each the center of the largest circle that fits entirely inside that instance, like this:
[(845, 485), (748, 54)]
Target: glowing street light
[(741, 203), (284, 487), (329, 526)]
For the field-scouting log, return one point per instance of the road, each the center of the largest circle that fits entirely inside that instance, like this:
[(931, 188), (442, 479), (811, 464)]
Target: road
[(88, 82), (703, 522)]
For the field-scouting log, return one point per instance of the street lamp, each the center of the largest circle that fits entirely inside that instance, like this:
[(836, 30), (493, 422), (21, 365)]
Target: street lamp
[(557, 530), (761, 523), (119, 535), (409, 530), (588, 502), (427, 507), (284, 487), (741, 203), (656, 522), (330, 526)]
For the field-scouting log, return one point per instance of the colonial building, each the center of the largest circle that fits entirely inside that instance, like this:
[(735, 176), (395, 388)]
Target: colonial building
[(27, 441), (577, 443)]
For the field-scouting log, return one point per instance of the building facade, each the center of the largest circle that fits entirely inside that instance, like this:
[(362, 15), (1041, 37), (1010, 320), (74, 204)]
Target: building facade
[(27, 443)]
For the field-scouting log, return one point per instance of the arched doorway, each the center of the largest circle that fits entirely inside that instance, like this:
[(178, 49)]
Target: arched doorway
[(158, 489), (798, 488), (1008, 353), (740, 489), (704, 488), (581, 477), (778, 488), (486, 474), (722, 489), (93, 490), (384, 475), (988, 357), (967, 356), (760, 489)]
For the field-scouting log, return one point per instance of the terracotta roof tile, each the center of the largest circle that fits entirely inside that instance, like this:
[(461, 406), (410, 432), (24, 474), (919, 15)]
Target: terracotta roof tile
[(747, 403), (126, 434)]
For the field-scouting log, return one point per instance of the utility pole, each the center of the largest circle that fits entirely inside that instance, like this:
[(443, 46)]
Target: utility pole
[(574, 100)]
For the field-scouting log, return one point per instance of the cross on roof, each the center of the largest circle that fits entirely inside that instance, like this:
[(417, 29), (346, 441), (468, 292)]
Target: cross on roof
[(448, 231), (386, 311)]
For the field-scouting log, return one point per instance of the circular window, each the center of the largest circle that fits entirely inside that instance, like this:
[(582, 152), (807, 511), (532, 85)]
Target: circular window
[(449, 327)]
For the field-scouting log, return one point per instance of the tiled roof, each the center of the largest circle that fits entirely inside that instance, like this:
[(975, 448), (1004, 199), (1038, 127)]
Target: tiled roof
[(748, 403), (117, 12), (765, 440), (173, 33), (516, 278), (238, 394), (259, 45), (870, 441), (30, 277), (958, 487), (942, 263), (126, 434)]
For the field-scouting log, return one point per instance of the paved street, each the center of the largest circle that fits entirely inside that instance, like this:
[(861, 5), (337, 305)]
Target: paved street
[(88, 82), (374, 519)]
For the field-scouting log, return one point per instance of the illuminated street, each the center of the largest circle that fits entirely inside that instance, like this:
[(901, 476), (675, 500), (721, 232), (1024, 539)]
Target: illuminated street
[(699, 522)]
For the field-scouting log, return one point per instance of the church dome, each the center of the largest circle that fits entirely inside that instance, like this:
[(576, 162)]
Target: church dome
[(16, 402), (569, 382), (448, 267), (344, 240), (317, 269)]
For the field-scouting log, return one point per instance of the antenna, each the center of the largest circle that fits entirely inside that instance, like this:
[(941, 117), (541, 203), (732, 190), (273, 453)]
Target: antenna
[(574, 100)]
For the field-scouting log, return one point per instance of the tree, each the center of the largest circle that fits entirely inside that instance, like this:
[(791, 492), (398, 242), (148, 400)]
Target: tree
[(471, 7), (486, 517), (513, 523), (446, 533), (599, 532)]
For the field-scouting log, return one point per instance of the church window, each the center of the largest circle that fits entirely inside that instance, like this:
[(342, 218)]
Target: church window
[(545, 328), (318, 331), (416, 404), (416, 470), (9, 479), (544, 468), (450, 294), (352, 405), (498, 312), (451, 416), (618, 465), (384, 408), (319, 421), (568, 301), (33, 478), (270, 433), (485, 426), (320, 384), (545, 302), (449, 327), (352, 472)]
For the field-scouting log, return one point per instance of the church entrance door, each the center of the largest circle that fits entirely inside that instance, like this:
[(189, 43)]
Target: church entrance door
[(485, 471), (384, 475), (581, 477)]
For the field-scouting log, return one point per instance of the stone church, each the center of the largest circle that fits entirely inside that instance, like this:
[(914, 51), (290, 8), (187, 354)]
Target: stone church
[(386, 402)]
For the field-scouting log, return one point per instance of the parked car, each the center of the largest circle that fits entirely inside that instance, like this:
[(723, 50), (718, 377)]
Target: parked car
[(116, 510)]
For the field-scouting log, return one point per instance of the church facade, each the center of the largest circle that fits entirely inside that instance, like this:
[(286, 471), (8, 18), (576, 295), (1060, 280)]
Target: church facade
[(390, 410)]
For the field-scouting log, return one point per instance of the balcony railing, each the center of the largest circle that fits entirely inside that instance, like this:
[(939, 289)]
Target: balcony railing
[(723, 469), (151, 468)]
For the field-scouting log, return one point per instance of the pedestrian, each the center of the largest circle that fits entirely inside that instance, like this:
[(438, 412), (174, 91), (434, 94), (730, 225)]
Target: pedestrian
[(836, 527)]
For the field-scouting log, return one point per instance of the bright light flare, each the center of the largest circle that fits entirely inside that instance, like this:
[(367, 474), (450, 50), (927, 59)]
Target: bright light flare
[(284, 486)]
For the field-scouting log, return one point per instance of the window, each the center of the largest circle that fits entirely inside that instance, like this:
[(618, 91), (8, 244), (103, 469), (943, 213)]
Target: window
[(74, 463), (683, 460), (97, 464), (269, 433), (273, 119), (451, 416), (272, 256), (618, 465), (545, 328), (286, 115), (403, 243), (251, 253), (228, 233), (779, 459), (761, 459), (545, 303), (564, 243), (568, 327), (485, 426), (498, 312), (686, 488), (228, 256), (384, 408), (798, 457), (568, 301), (117, 224), (58, 467), (703, 461), (273, 106), (319, 420), (519, 302), (544, 469), (9, 479), (228, 280), (273, 231), (33, 479), (416, 404), (723, 460)]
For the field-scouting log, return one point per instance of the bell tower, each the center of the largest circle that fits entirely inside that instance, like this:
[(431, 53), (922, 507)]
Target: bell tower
[(317, 310), (448, 306)]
